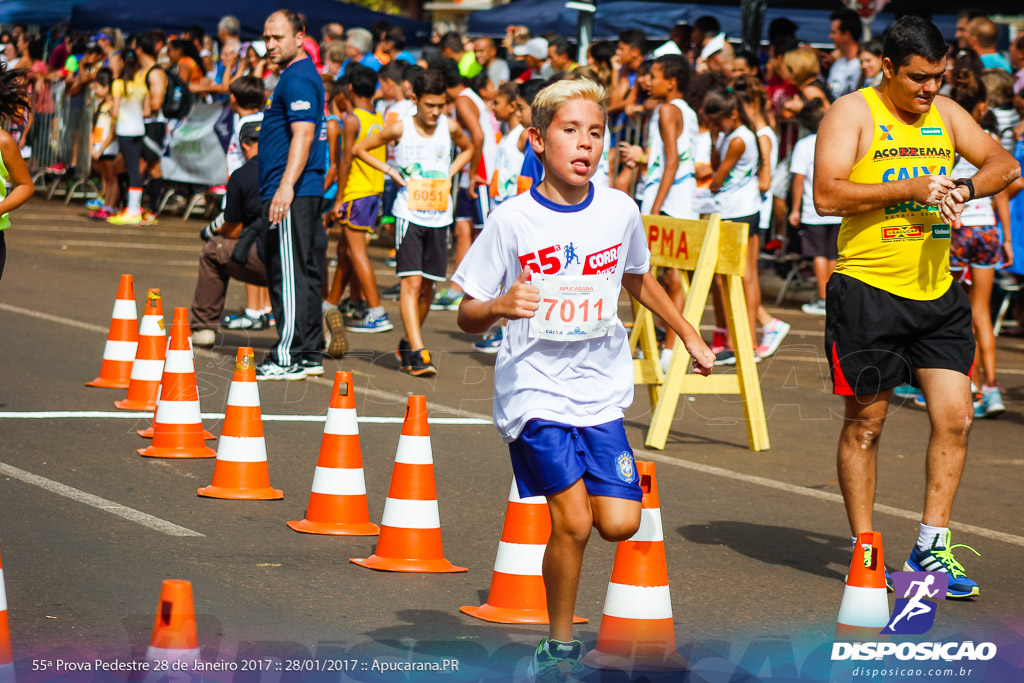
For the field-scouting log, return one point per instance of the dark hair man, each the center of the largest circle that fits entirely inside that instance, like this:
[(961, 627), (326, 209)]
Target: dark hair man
[(844, 76), (894, 313), (291, 186)]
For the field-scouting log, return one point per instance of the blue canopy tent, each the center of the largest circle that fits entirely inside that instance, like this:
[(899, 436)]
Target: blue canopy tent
[(658, 18), (132, 16), (41, 12)]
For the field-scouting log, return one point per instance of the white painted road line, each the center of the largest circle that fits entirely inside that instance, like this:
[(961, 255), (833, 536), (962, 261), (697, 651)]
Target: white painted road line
[(125, 415), (53, 318), (821, 495), (131, 514)]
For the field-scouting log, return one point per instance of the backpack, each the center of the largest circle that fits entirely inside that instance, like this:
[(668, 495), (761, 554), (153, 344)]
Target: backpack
[(177, 96)]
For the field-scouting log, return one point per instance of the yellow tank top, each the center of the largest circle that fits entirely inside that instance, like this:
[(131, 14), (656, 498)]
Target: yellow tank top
[(902, 249), (364, 181), (5, 220)]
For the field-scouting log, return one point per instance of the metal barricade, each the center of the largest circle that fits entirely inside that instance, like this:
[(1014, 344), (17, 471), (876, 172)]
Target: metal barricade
[(634, 132), (60, 136)]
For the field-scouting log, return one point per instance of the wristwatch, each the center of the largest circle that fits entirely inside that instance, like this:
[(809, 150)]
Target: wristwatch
[(966, 182)]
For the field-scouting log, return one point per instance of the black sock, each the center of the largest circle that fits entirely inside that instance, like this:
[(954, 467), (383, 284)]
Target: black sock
[(155, 191)]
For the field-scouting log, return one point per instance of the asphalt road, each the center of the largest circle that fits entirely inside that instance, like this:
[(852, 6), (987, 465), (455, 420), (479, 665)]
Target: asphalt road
[(757, 543)]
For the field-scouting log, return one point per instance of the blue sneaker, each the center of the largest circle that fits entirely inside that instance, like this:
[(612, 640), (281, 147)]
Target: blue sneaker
[(95, 204), (491, 341), (369, 323), (888, 581), (919, 401), (556, 661), (446, 300), (989, 405), (937, 559), (906, 391)]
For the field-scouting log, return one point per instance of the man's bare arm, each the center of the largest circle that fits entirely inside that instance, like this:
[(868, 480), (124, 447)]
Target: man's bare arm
[(835, 155)]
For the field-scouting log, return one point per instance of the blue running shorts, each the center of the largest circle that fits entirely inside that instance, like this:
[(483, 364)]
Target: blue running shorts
[(549, 457)]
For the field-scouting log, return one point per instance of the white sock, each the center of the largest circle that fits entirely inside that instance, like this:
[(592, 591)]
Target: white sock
[(666, 358), (327, 305), (134, 200), (927, 536), (377, 311), (253, 312), (985, 390), (268, 310)]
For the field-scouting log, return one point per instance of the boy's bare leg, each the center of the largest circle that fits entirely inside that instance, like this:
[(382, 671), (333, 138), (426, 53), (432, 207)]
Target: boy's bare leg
[(361, 265), (571, 521), (463, 241), (416, 294), (616, 519)]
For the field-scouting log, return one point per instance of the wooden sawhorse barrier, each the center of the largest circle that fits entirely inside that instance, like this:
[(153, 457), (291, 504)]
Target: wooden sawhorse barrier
[(704, 248)]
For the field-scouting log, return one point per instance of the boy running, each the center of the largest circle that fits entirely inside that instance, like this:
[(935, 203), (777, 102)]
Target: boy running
[(360, 186), (553, 261), (423, 208)]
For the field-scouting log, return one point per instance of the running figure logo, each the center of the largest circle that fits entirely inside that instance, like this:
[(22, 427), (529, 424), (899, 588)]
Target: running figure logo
[(570, 254), (914, 613)]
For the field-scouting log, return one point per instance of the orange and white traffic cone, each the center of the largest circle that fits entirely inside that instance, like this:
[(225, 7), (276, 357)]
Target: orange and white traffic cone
[(6, 658), (147, 433), (178, 430), (864, 610), (149, 358), (410, 532), (517, 587), (174, 636), (636, 631), (337, 503), (241, 471), (122, 340)]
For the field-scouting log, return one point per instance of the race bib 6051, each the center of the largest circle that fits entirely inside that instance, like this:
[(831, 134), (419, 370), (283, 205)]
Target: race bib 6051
[(428, 194)]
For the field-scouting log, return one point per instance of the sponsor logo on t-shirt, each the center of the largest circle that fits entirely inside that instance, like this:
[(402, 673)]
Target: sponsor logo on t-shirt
[(885, 135), (903, 173), (300, 105), (908, 207), (604, 261), (932, 130), (902, 233), (941, 231), (901, 152)]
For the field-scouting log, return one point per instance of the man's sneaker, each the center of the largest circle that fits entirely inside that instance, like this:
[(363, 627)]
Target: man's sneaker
[(492, 340), (990, 405), (772, 336), (720, 340), (816, 307), (420, 364), (403, 353), (392, 293), (243, 321), (370, 323), (269, 370), (906, 391), (446, 300), (334, 331), (313, 368), (919, 401), (204, 337), (556, 661), (937, 559)]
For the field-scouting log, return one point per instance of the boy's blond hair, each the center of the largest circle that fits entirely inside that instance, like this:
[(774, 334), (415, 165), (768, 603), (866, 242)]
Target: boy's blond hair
[(550, 99)]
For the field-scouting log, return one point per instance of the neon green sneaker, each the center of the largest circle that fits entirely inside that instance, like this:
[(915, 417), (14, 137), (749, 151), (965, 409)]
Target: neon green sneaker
[(556, 661)]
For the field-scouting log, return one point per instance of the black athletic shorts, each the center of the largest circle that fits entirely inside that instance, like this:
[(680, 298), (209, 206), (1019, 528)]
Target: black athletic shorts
[(753, 222), (421, 250), (874, 340), (153, 143), (819, 241)]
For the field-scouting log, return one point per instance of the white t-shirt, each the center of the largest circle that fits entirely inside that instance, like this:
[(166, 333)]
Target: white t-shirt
[(773, 157), (801, 161), (739, 197), (424, 159), (977, 211), (579, 383), (234, 156), (507, 165), (395, 111), (679, 202), (844, 76)]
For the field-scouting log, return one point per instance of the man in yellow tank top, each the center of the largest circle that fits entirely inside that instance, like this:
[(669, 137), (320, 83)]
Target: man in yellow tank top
[(894, 314), (359, 189)]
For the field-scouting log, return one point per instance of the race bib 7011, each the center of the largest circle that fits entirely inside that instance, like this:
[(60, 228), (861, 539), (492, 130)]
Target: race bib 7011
[(575, 308), (428, 194)]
